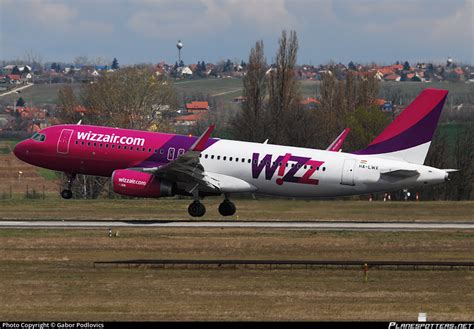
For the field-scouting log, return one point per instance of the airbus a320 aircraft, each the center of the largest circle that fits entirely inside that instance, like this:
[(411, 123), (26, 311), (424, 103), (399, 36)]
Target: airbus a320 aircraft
[(149, 164)]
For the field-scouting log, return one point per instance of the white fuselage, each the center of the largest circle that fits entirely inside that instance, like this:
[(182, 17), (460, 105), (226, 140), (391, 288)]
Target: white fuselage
[(309, 172)]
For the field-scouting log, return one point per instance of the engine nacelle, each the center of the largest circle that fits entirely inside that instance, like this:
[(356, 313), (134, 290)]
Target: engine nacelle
[(141, 184)]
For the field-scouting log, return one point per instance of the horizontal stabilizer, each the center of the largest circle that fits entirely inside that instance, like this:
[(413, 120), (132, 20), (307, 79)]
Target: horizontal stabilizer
[(402, 173), (336, 145), (451, 170), (200, 143)]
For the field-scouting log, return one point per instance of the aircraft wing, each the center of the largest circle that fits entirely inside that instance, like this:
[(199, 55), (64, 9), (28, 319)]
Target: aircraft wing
[(187, 171), (336, 145)]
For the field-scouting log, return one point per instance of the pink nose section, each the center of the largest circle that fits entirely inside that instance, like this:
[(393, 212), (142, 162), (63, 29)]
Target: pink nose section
[(20, 150)]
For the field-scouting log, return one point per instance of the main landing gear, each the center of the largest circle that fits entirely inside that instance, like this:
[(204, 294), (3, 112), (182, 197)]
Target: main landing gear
[(227, 208), (197, 209), (67, 193)]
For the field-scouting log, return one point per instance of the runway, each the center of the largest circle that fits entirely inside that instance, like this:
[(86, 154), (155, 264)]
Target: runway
[(326, 225)]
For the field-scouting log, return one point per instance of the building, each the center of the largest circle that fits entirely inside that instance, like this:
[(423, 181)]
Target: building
[(197, 106)]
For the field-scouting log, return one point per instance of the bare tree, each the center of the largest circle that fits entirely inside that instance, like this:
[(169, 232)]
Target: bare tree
[(345, 102), (81, 60), (250, 124), (68, 103), (283, 90), (130, 98), (464, 161)]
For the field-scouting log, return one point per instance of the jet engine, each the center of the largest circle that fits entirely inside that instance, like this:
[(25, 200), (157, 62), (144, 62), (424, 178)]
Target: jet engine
[(141, 184)]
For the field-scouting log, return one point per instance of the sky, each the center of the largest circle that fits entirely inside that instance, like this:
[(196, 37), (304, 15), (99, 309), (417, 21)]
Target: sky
[(146, 31)]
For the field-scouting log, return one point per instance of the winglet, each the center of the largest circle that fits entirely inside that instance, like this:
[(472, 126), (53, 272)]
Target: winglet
[(200, 143), (337, 143)]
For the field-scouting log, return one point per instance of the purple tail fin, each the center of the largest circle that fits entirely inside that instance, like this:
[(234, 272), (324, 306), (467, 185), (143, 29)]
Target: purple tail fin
[(409, 136)]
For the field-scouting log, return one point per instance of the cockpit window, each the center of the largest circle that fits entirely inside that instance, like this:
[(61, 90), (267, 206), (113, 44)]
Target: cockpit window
[(39, 137)]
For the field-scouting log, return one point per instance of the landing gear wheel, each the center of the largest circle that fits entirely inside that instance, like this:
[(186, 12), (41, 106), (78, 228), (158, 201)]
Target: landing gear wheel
[(196, 209), (66, 194), (227, 208)]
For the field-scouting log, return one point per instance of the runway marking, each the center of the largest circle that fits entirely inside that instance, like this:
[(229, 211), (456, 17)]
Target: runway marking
[(390, 226)]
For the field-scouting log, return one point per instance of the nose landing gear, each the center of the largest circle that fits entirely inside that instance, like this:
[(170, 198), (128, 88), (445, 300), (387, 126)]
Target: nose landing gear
[(67, 193)]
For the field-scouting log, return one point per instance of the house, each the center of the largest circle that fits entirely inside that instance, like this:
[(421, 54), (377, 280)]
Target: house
[(184, 71), (459, 72), (197, 106), (188, 120), (13, 78), (392, 77)]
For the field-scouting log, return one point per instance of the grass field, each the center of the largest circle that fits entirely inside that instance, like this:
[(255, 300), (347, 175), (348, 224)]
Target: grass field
[(39, 94), (225, 89), (263, 209), (49, 274)]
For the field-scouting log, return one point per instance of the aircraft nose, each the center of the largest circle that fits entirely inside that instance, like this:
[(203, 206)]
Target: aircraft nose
[(21, 150)]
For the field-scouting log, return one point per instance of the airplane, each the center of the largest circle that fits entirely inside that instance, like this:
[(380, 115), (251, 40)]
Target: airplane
[(151, 164), (336, 145)]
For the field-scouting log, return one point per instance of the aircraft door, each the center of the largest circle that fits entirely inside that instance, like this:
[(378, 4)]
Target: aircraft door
[(347, 177), (64, 140)]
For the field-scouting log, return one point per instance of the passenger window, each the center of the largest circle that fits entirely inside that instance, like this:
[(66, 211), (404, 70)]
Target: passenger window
[(236, 159), (124, 147), (212, 156), (324, 168), (95, 144), (249, 161), (162, 151), (77, 142), (224, 158), (243, 160), (149, 150), (181, 151), (218, 157), (206, 156), (230, 158)]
